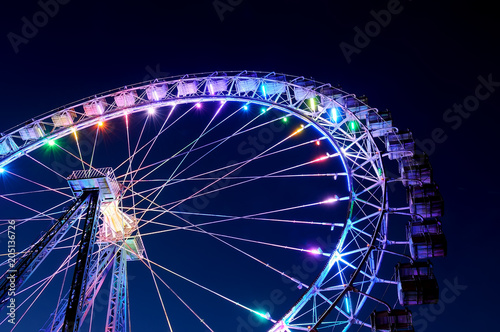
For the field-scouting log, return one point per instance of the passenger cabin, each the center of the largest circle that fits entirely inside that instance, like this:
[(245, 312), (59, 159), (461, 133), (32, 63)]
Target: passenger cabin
[(358, 106), (399, 145), (32, 132), (304, 90), (7, 145), (394, 320), (330, 92), (416, 284), (125, 98), (96, 107), (247, 82), (188, 87), (379, 123), (64, 118), (216, 86), (415, 170), (272, 87), (425, 201), (426, 239), (156, 92)]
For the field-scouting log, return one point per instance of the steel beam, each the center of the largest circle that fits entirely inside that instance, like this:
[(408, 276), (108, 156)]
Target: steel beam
[(76, 297), (28, 263), (117, 306)]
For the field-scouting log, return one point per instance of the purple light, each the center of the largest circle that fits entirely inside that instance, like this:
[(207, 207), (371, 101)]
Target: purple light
[(330, 200), (198, 105), (316, 251)]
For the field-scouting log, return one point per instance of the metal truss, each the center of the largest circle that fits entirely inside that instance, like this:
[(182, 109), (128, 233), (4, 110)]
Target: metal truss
[(30, 261), (76, 297), (117, 304), (358, 132)]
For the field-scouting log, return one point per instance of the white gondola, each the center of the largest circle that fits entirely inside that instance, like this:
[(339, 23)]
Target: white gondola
[(304, 90), (126, 99), (187, 88), (156, 92), (64, 118), (96, 107), (399, 145), (7, 145), (379, 123), (216, 86), (32, 132)]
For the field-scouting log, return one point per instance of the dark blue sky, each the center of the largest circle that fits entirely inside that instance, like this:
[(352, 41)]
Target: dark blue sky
[(427, 59)]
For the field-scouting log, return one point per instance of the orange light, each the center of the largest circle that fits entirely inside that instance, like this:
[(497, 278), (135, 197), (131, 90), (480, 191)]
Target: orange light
[(100, 123), (298, 130)]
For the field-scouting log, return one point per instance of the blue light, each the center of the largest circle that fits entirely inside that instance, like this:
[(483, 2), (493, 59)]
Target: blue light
[(347, 305), (245, 107), (264, 90), (2, 170), (334, 114)]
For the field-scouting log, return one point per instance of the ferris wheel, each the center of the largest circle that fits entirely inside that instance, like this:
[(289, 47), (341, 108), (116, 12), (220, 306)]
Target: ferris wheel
[(242, 201)]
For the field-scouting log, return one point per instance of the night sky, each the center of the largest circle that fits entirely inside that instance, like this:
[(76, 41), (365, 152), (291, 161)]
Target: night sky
[(433, 65)]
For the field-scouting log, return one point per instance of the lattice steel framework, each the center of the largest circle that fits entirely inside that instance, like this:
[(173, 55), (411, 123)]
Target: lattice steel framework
[(358, 132)]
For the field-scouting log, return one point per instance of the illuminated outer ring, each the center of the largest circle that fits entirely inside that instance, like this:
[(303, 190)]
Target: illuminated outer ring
[(353, 262)]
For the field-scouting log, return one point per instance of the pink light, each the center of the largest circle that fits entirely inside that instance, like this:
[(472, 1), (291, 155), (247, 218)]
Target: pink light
[(321, 158), (316, 251), (330, 200), (198, 105)]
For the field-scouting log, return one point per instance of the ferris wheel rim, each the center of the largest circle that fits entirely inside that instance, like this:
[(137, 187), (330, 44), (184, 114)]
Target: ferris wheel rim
[(118, 112)]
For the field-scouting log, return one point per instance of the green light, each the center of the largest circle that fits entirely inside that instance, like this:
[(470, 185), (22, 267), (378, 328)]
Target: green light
[(285, 120), (52, 142), (353, 125), (312, 103)]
